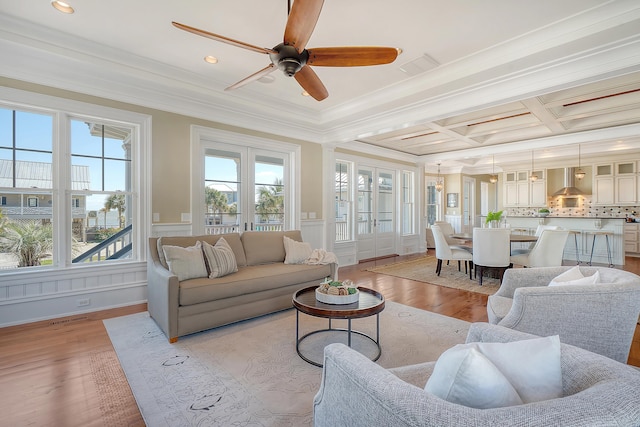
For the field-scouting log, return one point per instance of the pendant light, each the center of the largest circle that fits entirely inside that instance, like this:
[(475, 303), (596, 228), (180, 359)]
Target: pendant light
[(493, 178), (579, 173), (533, 176), (439, 184)]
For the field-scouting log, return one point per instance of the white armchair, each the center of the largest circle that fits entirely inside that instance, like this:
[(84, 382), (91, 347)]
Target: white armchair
[(600, 318), (491, 250), (547, 252), (444, 252)]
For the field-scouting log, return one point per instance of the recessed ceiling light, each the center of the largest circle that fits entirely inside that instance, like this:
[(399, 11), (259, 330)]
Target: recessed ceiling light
[(211, 59), (62, 6)]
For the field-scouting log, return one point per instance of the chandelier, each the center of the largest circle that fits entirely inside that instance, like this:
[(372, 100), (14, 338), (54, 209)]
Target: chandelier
[(493, 178)]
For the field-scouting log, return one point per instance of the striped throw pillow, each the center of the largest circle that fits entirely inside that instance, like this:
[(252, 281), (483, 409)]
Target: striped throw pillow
[(220, 258)]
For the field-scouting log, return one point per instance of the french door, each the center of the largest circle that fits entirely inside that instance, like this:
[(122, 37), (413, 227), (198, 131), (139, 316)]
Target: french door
[(376, 212), (245, 188)]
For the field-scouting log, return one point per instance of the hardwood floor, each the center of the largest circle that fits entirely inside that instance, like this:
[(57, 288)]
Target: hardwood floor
[(64, 372)]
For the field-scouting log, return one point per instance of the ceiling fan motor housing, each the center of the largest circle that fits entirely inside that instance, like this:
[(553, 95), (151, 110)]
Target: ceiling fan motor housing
[(288, 59)]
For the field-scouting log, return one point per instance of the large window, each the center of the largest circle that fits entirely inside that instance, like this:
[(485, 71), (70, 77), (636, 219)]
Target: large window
[(408, 203), (67, 188), (344, 201), (433, 201)]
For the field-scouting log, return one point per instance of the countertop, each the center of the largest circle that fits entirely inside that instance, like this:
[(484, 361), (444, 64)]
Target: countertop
[(563, 216)]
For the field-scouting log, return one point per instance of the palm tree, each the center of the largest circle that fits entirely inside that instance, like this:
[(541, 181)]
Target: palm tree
[(270, 201), (29, 241), (118, 202), (216, 201)]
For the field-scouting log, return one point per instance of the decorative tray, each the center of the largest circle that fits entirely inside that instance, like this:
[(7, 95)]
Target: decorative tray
[(350, 293)]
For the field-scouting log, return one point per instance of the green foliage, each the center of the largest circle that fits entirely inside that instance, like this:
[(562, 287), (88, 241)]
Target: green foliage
[(493, 216), (544, 210), (270, 201), (29, 241), (105, 233), (117, 202)]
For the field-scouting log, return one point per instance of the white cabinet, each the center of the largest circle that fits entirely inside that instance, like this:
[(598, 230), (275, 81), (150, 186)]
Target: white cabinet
[(616, 184), (631, 238), (520, 191)]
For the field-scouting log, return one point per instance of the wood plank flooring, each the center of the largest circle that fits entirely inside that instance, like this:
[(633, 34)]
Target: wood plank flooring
[(64, 372)]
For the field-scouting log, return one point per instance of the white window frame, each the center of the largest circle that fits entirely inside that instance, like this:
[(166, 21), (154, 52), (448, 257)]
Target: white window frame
[(62, 111), (408, 207), (203, 138), (348, 202)]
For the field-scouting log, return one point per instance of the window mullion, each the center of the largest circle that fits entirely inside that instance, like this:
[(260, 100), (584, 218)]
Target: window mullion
[(61, 190)]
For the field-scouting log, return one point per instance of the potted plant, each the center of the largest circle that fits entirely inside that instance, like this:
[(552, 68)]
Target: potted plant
[(493, 219), (543, 212)]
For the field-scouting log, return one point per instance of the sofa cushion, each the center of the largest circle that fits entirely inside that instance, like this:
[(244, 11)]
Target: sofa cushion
[(250, 279), (574, 276), (220, 258), (186, 263), (296, 252), (263, 247), (532, 367), (233, 239)]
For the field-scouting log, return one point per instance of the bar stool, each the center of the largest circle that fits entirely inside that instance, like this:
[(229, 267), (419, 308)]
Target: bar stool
[(606, 235), (575, 240)]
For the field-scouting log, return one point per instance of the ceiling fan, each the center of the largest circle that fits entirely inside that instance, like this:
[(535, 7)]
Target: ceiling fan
[(292, 57)]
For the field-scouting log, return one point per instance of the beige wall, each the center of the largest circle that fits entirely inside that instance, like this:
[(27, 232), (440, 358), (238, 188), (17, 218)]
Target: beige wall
[(171, 177)]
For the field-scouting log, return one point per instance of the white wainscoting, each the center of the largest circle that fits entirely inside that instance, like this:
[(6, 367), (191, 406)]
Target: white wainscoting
[(177, 229), (313, 231), (46, 294)]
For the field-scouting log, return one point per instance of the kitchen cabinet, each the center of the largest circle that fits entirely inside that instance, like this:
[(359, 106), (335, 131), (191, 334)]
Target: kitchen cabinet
[(631, 238), (616, 184), (520, 191)]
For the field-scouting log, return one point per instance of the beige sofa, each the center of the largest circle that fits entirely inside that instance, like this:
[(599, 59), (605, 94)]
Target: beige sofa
[(263, 283)]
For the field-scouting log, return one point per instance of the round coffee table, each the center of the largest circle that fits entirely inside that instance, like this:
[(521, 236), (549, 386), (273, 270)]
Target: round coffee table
[(370, 302)]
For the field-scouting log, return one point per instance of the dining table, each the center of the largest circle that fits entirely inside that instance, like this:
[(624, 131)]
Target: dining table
[(513, 238)]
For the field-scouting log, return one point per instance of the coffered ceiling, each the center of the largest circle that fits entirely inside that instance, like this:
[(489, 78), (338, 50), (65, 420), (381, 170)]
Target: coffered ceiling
[(475, 78)]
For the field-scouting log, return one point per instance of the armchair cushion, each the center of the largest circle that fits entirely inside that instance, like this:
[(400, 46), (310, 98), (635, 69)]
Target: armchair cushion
[(494, 375)]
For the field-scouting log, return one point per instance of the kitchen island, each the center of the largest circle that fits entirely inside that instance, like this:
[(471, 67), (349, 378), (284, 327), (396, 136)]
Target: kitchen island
[(584, 227)]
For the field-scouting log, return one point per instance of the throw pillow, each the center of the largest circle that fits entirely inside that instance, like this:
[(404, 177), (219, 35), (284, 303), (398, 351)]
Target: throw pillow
[(531, 367), (574, 276), (220, 257), (296, 252), (186, 263)]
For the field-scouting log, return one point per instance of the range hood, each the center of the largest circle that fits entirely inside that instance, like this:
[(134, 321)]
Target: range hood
[(569, 188)]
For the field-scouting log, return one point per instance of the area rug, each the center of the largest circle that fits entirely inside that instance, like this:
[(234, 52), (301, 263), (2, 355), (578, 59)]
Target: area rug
[(249, 374), (423, 269)]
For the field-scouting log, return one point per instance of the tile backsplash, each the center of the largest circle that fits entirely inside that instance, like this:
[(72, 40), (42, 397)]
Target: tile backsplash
[(584, 208)]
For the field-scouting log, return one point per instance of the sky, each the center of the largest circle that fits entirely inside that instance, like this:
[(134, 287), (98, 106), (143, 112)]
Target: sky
[(34, 142)]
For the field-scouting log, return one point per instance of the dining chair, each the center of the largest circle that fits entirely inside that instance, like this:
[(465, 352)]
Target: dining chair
[(444, 252), (538, 232), (447, 230), (491, 251), (546, 252)]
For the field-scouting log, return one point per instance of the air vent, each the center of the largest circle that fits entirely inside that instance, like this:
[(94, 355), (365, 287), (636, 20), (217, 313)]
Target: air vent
[(419, 65)]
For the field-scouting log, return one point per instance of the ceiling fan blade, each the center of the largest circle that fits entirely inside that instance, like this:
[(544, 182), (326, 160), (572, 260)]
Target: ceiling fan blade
[(309, 80), (255, 76), (351, 56), (222, 39), (302, 20)]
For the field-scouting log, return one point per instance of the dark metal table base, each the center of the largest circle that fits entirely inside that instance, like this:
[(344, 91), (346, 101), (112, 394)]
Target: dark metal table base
[(349, 332)]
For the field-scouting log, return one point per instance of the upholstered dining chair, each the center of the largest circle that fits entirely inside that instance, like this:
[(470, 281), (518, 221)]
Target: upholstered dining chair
[(539, 230), (444, 252), (547, 251), (491, 250), (447, 230)]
